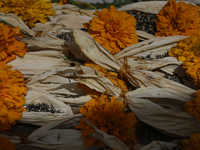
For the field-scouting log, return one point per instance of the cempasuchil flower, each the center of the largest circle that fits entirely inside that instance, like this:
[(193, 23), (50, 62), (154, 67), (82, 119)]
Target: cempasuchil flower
[(29, 11), (107, 114), (191, 144), (178, 19), (113, 29), (6, 144), (12, 97), (9, 45), (186, 50), (193, 71), (193, 107)]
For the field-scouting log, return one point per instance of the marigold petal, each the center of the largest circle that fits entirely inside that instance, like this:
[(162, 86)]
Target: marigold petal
[(89, 141)]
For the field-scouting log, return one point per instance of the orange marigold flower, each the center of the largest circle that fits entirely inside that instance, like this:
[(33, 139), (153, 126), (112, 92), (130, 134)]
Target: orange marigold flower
[(186, 50), (193, 71), (193, 107), (191, 144), (178, 19), (107, 114), (9, 46), (12, 91), (29, 11), (6, 144), (113, 29)]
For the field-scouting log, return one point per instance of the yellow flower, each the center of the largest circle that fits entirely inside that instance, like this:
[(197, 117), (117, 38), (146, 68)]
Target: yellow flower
[(107, 115), (29, 11), (193, 107), (178, 19), (193, 71), (186, 50), (113, 29), (191, 144), (12, 91), (6, 144), (9, 46)]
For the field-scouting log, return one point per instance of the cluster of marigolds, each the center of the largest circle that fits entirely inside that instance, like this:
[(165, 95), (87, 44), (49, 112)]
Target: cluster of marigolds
[(115, 30)]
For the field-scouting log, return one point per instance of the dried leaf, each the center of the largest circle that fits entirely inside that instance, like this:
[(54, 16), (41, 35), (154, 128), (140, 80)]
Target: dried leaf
[(157, 145), (16, 21), (109, 140), (151, 7), (37, 96), (166, 107), (38, 62)]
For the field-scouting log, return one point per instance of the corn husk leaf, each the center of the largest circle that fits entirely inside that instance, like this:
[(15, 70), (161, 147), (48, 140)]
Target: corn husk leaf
[(71, 9), (13, 138), (14, 20), (37, 96), (55, 135), (67, 17), (59, 135), (143, 35), (162, 64), (156, 46), (64, 23), (63, 88), (37, 62), (138, 78), (110, 140), (151, 7), (95, 80), (35, 146), (43, 43), (157, 145), (165, 105)]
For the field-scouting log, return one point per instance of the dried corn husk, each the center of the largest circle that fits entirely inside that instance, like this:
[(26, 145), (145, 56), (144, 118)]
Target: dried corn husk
[(41, 118), (151, 7), (156, 46), (162, 109), (95, 80), (13, 138), (153, 48), (138, 78), (37, 62), (59, 135), (157, 145), (16, 21), (71, 9), (67, 17), (143, 35), (43, 43), (54, 83), (56, 135), (63, 23), (109, 140)]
